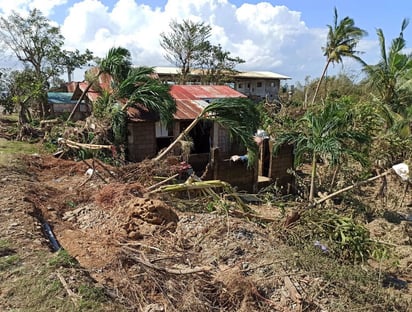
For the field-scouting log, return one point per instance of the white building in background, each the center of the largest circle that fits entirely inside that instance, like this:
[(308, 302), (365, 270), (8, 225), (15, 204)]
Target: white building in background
[(257, 85)]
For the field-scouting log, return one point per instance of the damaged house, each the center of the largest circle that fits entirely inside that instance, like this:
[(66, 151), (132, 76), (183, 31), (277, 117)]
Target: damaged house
[(211, 148)]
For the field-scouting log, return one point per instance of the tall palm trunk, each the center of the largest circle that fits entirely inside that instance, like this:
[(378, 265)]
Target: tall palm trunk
[(320, 81), (312, 179)]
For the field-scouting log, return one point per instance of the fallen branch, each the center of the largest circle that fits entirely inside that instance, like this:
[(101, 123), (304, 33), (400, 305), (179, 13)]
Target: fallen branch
[(136, 244), (94, 171), (154, 186), (73, 296), (351, 187), (105, 168), (293, 292), (241, 214), (197, 185), (168, 270), (77, 145)]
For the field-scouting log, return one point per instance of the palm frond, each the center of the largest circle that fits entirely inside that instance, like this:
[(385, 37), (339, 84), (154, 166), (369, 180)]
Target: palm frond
[(140, 87), (240, 116), (117, 63)]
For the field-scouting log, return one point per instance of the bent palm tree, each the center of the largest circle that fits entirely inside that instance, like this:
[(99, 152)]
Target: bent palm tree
[(117, 63), (342, 40), (392, 75), (139, 87)]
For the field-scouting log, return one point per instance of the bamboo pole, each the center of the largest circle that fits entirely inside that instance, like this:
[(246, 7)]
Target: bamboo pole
[(77, 145), (162, 182), (351, 187), (180, 137)]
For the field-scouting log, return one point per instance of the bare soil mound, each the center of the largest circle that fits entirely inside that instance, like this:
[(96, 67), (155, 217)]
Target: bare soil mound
[(153, 255)]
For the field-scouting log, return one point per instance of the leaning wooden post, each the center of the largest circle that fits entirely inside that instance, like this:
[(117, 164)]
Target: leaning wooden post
[(351, 187), (180, 137)]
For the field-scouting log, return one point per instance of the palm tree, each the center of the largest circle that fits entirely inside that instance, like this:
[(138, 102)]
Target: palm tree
[(117, 63), (391, 82), (342, 40), (391, 77), (139, 87), (329, 134)]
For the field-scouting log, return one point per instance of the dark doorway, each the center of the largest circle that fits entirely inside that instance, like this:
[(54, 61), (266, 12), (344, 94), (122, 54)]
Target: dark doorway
[(200, 136)]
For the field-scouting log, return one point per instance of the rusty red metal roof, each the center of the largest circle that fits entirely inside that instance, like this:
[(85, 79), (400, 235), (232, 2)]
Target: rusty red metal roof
[(191, 99), (140, 113), (79, 89)]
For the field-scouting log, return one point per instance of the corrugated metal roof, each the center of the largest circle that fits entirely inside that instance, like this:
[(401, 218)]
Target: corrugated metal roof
[(260, 74), (191, 99), (141, 113), (60, 98), (240, 74)]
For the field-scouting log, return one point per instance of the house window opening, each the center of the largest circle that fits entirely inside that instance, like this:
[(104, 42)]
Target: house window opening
[(164, 136)]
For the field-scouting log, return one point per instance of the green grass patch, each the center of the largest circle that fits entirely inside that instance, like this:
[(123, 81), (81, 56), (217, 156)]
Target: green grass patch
[(38, 287), (8, 261), (358, 285), (8, 256), (10, 149), (4, 244), (63, 259)]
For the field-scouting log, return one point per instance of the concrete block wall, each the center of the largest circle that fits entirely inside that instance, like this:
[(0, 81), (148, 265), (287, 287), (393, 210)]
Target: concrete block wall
[(279, 165), (141, 141), (237, 174)]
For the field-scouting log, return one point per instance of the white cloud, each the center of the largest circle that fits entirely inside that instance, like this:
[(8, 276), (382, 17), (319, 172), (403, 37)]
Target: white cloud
[(268, 37), (22, 6)]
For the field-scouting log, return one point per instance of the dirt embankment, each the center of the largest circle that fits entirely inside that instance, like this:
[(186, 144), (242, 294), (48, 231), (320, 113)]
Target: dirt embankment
[(149, 254)]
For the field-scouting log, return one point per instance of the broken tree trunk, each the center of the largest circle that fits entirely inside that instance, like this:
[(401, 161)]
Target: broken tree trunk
[(179, 138), (351, 187), (83, 95)]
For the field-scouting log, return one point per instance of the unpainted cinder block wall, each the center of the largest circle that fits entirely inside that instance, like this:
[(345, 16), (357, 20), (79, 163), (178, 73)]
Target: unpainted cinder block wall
[(141, 140), (237, 174), (279, 165)]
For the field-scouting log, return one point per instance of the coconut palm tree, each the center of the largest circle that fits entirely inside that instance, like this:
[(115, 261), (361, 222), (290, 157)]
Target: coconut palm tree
[(329, 134), (342, 39), (391, 84), (139, 87), (117, 63), (391, 76)]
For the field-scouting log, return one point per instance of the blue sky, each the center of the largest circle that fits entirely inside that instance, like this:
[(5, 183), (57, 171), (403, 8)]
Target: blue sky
[(280, 36)]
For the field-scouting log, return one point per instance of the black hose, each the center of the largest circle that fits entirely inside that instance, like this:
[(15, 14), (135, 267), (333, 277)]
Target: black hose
[(50, 235)]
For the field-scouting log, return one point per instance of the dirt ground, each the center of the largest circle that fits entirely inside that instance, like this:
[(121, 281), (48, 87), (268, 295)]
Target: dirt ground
[(152, 252)]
